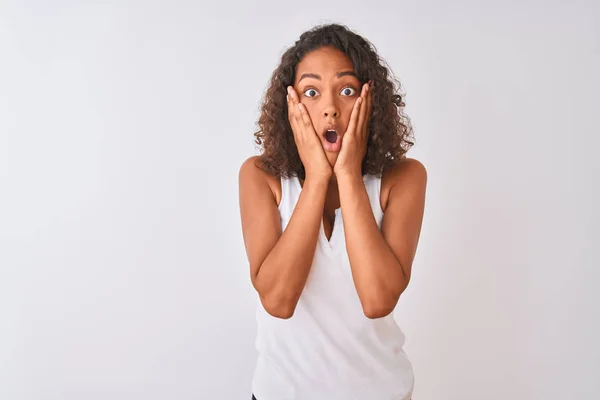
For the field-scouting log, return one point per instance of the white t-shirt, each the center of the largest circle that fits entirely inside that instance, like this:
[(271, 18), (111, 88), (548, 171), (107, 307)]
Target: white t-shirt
[(329, 350)]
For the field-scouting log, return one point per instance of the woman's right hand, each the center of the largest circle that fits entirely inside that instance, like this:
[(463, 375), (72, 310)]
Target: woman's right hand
[(309, 145)]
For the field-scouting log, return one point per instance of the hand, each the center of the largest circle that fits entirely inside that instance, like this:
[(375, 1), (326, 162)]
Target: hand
[(354, 142), (309, 145)]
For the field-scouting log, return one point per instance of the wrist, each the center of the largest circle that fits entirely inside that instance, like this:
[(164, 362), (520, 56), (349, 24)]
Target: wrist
[(348, 174), (317, 180)]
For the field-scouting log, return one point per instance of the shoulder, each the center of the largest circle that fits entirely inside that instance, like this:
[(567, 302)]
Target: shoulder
[(254, 177), (406, 169), (250, 168), (408, 174)]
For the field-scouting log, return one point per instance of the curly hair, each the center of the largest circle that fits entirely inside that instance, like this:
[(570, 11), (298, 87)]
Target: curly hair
[(390, 131)]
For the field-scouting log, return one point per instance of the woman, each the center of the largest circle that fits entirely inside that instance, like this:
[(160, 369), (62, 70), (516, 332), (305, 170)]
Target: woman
[(331, 216)]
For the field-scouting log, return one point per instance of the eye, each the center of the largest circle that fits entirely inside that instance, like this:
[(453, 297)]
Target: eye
[(348, 91), (310, 93)]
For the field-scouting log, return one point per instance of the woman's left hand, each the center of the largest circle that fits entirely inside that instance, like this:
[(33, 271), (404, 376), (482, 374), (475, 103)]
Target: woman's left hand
[(354, 142)]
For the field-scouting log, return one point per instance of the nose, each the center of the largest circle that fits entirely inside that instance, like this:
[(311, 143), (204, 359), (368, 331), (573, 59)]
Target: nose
[(331, 112), (331, 108)]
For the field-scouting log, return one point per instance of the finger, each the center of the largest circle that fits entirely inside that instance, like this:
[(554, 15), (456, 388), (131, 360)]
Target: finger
[(354, 116), (303, 117), (363, 108), (296, 101), (369, 107), (292, 115), (294, 126), (302, 122), (306, 121), (292, 94), (290, 100), (293, 107), (289, 106)]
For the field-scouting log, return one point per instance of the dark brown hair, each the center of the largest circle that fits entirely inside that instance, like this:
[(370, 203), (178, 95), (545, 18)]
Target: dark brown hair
[(390, 131)]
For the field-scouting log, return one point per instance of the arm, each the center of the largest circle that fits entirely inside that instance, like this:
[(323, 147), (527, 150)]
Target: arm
[(279, 263), (381, 261)]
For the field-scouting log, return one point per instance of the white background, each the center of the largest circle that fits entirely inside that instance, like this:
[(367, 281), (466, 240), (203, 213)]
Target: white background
[(122, 128)]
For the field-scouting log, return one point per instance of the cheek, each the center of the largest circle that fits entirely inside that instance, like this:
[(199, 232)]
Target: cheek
[(347, 110), (310, 108)]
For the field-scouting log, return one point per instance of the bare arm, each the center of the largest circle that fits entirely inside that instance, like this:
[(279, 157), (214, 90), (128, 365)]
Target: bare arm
[(279, 262), (381, 261)]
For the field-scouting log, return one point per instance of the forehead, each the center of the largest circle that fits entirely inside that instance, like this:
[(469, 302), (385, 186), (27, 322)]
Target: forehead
[(324, 61)]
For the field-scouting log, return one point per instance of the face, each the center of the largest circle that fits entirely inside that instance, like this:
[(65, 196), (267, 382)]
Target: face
[(328, 87)]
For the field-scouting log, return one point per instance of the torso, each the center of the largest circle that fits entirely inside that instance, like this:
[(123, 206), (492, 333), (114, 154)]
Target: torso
[(332, 202), (329, 346)]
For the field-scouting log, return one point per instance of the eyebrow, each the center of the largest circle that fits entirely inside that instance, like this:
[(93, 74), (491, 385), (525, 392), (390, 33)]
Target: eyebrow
[(339, 75)]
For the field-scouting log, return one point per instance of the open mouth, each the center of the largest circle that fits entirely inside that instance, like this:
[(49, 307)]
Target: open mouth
[(331, 135), (333, 140)]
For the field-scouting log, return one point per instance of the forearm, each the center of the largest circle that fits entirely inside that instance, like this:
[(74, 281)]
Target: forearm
[(283, 273), (375, 269)]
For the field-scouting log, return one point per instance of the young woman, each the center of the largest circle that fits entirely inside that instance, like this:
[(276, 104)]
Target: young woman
[(331, 216)]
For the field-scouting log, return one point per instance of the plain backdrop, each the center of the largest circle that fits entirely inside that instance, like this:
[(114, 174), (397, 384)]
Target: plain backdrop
[(123, 125)]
